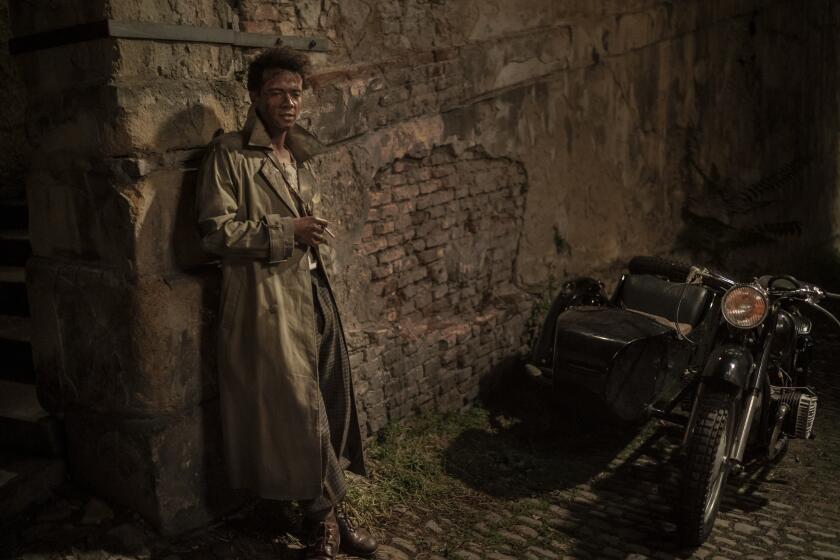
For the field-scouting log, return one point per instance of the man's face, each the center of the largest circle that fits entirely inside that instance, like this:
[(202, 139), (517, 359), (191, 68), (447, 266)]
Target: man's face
[(278, 101)]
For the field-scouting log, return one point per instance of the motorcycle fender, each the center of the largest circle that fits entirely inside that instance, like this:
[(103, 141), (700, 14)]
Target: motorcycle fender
[(579, 291), (729, 363)]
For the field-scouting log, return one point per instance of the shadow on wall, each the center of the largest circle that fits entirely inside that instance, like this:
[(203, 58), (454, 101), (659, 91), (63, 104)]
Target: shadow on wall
[(779, 223), (173, 220), (769, 204), (175, 188)]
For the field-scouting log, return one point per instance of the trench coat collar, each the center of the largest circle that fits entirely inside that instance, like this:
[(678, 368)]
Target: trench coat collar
[(255, 133), (299, 142), (256, 136)]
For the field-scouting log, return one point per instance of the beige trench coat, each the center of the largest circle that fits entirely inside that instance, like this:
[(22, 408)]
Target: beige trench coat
[(267, 340)]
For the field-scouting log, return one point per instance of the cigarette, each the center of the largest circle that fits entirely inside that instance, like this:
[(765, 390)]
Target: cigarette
[(328, 232)]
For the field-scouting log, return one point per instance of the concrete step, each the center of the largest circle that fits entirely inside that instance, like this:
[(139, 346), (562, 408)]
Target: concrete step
[(13, 298), (14, 247), (14, 234), (26, 481), (14, 214), (15, 328), (16, 350), (24, 425), (12, 275)]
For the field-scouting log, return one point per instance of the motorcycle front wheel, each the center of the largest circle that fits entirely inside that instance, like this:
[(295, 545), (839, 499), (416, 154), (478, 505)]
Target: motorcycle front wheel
[(706, 468)]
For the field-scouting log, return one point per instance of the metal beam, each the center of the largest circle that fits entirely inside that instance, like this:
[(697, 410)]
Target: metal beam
[(159, 32)]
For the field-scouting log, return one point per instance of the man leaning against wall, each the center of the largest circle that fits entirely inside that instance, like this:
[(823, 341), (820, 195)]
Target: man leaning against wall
[(288, 407)]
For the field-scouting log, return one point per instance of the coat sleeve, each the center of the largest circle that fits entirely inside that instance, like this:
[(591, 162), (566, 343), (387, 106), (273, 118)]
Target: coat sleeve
[(272, 237)]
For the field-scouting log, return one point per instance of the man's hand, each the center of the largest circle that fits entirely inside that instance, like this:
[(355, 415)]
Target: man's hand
[(310, 230)]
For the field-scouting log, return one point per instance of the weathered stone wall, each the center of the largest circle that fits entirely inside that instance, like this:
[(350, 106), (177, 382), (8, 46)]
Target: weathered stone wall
[(474, 153), (14, 142)]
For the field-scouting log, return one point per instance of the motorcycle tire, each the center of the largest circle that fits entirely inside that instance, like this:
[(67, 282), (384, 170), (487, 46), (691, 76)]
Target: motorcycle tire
[(672, 270), (706, 469)]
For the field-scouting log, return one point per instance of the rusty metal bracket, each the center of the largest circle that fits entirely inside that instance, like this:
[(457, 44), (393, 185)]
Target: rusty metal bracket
[(109, 28)]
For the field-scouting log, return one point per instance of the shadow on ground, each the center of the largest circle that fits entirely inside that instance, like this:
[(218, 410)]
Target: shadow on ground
[(540, 441), (613, 487), (76, 525)]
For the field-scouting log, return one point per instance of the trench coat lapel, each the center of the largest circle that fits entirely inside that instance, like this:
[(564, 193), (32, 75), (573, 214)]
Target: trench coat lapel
[(256, 136), (275, 180)]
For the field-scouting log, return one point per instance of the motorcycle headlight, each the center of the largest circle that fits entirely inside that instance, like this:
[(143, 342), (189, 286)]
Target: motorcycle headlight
[(744, 306)]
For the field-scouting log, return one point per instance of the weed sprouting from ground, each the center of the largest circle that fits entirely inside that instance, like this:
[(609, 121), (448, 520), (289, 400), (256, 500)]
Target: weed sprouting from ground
[(408, 467), (439, 466)]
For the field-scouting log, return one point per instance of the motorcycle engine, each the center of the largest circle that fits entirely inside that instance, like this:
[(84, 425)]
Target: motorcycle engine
[(802, 403)]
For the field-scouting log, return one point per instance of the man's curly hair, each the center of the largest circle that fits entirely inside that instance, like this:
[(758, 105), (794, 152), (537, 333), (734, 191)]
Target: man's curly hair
[(277, 58)]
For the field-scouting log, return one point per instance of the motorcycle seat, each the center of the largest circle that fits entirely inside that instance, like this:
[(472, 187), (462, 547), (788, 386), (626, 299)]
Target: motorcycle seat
[(669, 303)]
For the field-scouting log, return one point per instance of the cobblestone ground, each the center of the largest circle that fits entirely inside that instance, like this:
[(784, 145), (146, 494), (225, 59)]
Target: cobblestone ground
[(533, 483)]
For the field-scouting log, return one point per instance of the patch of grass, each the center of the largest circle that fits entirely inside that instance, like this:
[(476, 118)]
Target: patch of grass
[(407, 467)]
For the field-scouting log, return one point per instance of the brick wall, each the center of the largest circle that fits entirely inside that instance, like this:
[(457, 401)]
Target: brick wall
[(440, 240)]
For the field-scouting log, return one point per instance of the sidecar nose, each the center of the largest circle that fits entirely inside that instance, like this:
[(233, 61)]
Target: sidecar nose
[(617, 354)]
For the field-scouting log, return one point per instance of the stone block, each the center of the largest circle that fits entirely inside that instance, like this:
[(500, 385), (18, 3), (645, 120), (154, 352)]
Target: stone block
[(74, 66), (204, 13), (128, 118), (74, 213), (165, 115), (81, 121), (165, 235), (169, 469), (146, 226), (156, 60), (139, 346)]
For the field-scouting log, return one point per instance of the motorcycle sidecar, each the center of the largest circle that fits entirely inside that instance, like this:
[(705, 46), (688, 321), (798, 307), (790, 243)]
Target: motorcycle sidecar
[(629, 351)]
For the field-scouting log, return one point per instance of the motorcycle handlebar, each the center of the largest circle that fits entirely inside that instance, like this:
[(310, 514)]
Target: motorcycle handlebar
[(810, 295), (824, 311)]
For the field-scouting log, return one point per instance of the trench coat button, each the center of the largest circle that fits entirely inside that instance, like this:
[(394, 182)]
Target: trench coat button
[(273, 308)]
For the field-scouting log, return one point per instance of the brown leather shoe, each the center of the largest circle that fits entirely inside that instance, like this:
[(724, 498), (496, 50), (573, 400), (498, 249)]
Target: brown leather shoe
[(322, 539), (354, 540)]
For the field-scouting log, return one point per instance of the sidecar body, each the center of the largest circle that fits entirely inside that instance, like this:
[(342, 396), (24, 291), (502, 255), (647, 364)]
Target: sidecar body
[(629, 350)]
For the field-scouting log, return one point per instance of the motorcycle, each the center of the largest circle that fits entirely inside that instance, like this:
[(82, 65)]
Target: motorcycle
[(732, 356)]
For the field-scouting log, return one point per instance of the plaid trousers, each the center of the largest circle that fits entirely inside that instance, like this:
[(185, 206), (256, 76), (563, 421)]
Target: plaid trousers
[(334, 399)]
